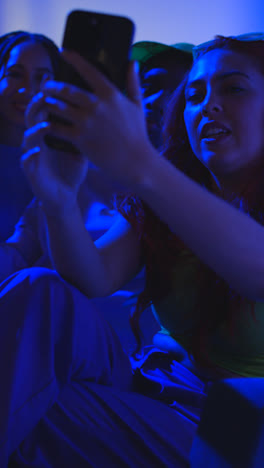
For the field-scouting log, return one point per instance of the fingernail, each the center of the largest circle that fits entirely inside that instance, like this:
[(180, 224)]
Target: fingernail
[(50, 100), (44, 125), (38, 96)]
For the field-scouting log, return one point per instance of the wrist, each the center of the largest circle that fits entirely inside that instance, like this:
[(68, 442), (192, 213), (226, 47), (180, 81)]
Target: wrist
[(151, 170), (146, 163), (60, 212)]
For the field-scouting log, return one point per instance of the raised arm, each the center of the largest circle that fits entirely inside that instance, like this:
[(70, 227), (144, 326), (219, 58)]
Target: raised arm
[(228, 241), (97, 269)]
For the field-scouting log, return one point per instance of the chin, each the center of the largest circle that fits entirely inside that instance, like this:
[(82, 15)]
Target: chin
[(218, 160)]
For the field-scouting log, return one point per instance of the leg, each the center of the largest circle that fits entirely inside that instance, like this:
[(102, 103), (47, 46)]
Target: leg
[(92, 425), (49, 336), (95, 426)]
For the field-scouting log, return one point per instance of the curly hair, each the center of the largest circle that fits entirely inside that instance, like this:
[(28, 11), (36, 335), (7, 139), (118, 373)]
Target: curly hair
[(161, 247)]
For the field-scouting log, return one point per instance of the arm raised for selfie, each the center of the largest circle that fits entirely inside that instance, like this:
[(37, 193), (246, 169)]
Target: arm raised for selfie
[(230, 242), (227, 240)]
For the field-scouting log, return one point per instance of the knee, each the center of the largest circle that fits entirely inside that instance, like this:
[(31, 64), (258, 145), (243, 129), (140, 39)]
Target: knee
[(39, 275), (34, 292), (37, 278)]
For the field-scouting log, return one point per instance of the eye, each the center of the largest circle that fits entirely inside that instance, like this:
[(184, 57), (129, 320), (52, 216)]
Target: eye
[(153, 96), (194, 97), (153, 86), (13, 74), (150, 89), (234, 89)]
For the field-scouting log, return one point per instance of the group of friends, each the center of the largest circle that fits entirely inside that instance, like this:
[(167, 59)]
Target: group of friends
[(174, 170)]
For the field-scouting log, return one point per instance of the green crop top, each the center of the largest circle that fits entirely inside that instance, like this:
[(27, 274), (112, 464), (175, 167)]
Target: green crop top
[(241, 351)]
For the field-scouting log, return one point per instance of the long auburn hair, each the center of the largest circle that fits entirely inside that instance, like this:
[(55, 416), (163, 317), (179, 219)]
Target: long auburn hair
[(216, 302)]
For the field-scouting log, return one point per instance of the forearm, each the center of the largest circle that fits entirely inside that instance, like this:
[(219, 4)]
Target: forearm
[(228, 241), (74, 254)]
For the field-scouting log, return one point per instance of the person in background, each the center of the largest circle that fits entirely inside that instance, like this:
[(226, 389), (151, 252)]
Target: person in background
[(161, 70), (25, 59)]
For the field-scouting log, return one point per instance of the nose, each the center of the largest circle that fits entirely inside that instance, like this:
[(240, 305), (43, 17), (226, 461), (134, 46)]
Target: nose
[(211, 104)]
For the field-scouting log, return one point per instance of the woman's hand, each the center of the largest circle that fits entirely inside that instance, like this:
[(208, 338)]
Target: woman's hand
[(106, 126), (55, 176)]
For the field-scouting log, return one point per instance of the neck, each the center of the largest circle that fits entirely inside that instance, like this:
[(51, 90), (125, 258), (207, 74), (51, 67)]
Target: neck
[(238, 184)]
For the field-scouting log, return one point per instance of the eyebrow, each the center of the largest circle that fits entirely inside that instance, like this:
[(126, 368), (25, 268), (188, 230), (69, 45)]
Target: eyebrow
[(220, 77)]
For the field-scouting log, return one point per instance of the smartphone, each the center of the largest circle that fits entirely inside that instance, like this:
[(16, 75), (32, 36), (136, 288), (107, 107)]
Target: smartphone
[(101, 39)]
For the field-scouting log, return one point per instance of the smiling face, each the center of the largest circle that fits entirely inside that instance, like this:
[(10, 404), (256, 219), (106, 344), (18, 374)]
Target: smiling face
[(20, 80), (224, 112)]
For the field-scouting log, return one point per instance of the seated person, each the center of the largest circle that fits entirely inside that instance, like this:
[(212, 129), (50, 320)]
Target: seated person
[(26, 60)]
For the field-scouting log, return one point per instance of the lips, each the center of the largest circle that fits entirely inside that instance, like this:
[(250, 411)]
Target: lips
[(214, 129)]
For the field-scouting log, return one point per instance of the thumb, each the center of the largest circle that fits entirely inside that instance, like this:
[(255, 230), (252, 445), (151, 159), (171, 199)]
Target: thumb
[(133, 84)]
